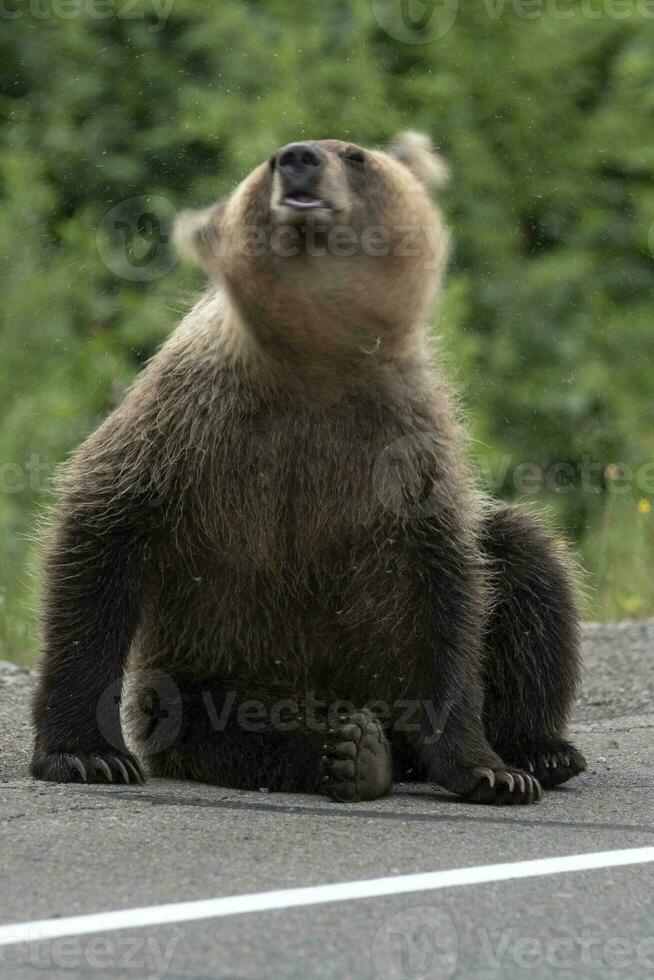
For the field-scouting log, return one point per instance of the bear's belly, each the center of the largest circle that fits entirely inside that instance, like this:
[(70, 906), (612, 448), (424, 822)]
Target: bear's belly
[(292, 628)]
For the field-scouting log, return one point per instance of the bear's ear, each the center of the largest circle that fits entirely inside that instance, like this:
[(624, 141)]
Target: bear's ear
[(196, 235), (415, 151)]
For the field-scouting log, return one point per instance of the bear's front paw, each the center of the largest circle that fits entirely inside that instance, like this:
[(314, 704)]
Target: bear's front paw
[(356, 761), (504, 787), (102, 766)]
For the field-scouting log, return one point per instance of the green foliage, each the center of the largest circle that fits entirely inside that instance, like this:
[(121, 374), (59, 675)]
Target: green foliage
[(548, 319)]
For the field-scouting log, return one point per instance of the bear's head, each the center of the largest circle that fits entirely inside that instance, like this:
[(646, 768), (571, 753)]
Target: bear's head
[(329, 247)]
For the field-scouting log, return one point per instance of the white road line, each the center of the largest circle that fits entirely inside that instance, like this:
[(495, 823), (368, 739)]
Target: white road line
[(346, 891)]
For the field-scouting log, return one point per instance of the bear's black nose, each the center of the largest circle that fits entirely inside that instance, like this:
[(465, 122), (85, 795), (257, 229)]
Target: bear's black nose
[(298, 160)]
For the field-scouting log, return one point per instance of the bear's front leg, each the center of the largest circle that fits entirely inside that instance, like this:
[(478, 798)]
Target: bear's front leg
[(438, 619), (458, 757), (92, 573)]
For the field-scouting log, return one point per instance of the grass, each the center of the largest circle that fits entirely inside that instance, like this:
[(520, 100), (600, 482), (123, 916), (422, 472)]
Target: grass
[(619, 556)]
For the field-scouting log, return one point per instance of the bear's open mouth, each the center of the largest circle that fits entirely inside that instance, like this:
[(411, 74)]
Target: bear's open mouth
[(304, 201)]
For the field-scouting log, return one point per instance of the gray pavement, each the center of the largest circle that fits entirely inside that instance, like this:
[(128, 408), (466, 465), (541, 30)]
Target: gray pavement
[(70, 850)]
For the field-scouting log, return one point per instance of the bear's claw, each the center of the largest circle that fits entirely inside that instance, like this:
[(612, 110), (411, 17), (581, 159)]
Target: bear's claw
[(552, 765), (504, 787), (94, 767)]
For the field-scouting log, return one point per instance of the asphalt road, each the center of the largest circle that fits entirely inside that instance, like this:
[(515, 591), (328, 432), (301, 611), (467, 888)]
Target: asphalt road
[(72, 850)]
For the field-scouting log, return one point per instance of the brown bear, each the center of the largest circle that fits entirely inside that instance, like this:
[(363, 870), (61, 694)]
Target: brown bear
[(278, 533)]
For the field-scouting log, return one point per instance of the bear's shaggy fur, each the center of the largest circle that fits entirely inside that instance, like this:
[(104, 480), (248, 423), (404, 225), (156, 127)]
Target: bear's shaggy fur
[(278, 529)]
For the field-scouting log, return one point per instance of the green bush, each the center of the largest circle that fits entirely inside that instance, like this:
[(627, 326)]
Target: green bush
[(548, 320)]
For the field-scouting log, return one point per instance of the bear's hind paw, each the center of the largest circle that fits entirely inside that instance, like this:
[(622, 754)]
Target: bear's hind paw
[(356, 760), (552, 764)]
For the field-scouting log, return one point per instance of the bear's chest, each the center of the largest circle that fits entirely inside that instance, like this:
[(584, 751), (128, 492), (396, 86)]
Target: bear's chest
[(277, 492)]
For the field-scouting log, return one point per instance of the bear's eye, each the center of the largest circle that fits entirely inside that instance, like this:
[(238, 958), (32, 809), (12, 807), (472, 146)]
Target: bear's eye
[(354, 156)]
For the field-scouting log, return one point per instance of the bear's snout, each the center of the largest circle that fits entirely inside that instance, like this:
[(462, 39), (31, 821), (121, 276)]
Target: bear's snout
[(300, 161), (301, 166)]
